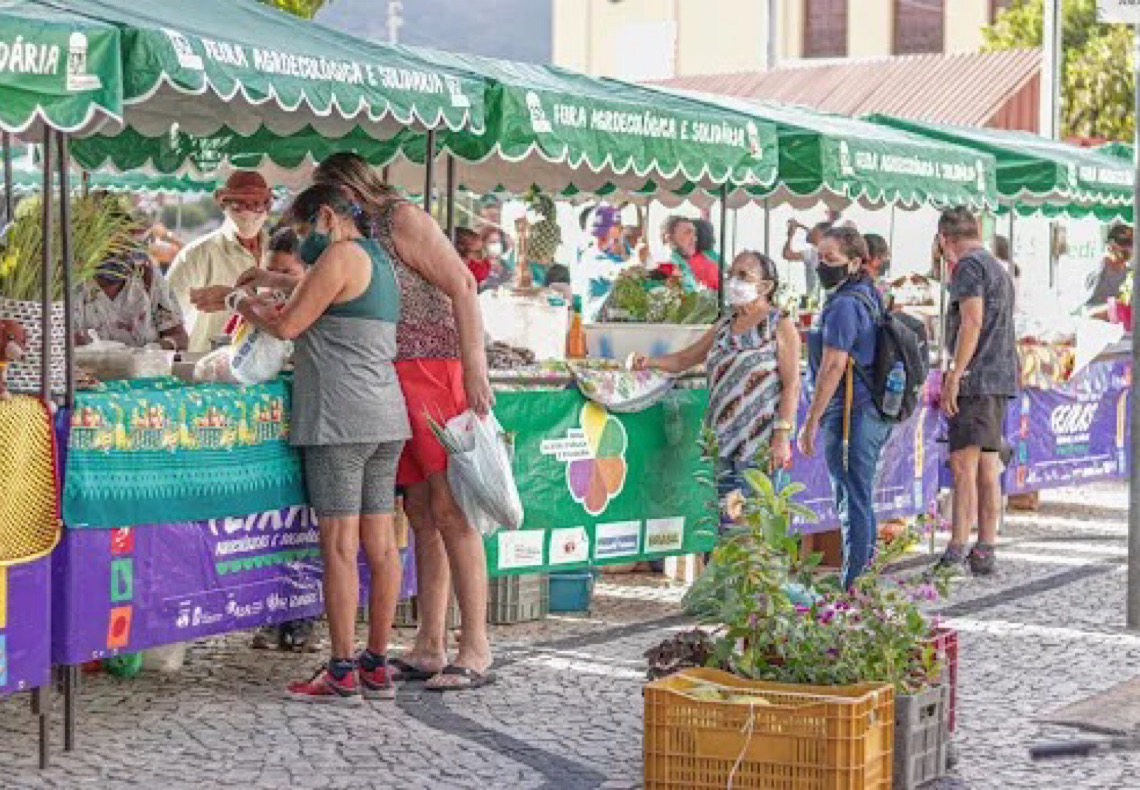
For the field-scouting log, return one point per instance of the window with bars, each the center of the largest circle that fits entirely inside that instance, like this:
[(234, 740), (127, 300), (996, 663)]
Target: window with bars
[(825, 28), (919, 26)]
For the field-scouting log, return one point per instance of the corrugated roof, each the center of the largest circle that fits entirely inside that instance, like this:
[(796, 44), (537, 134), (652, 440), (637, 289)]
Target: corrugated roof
[(969, 89)]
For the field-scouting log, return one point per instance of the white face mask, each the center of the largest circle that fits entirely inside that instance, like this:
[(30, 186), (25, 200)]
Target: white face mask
[(739, 292), (495, 250), (248, 224)]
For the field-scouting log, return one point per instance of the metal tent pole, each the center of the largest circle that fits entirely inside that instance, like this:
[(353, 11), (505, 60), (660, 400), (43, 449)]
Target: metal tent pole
[(429, 169), (9, 198), (1134, 441), (65, 257), (723, 246), (46, 269), (450, 205)]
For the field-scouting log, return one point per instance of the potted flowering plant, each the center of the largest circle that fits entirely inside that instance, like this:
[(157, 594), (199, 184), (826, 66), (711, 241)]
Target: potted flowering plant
[(772, 616)]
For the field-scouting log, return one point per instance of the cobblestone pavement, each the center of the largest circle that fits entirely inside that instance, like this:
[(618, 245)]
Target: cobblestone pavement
[(1046, 631)]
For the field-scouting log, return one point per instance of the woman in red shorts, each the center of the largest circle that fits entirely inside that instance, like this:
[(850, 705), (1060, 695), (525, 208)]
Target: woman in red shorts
[(442, 367)]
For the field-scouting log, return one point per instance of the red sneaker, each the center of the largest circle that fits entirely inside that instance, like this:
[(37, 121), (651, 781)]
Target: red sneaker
[(323, 687), (376, 683)]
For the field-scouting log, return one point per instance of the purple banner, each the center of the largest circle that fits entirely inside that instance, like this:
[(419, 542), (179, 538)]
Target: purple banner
[(906, 484), (1074, 434), (124, 590), (25, 606)]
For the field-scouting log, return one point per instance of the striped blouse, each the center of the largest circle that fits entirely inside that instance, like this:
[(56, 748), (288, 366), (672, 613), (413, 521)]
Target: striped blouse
[(744, 388)]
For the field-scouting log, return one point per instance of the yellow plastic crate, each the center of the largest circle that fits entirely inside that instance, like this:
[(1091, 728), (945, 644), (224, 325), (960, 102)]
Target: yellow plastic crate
[(769, 735)]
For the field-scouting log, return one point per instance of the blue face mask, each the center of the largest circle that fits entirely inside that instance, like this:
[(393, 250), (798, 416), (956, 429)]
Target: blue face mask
[(313, 247)]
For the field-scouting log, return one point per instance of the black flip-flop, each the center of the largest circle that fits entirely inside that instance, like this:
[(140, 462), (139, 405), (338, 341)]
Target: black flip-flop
[(475, 679), (408, 672)]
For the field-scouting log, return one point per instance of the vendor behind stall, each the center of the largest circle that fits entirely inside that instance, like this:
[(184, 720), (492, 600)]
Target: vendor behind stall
[(1105, 282), (753, 361), (205, 272), (129, 301)]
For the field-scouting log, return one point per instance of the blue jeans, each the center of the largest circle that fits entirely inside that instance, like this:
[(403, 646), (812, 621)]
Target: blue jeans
[(853, 482)]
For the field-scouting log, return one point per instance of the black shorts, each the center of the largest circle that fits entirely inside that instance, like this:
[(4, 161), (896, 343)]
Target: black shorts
[(980, 422)]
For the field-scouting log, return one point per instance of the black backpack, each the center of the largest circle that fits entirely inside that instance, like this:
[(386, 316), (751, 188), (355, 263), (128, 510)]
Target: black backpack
[(898, 337)]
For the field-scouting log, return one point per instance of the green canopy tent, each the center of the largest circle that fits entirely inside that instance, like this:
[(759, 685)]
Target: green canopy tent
[(27, 178), (567, 133), (1036, 175), (838, 159)]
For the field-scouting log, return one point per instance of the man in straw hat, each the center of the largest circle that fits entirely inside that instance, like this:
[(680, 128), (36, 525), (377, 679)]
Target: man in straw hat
[(205, 272)]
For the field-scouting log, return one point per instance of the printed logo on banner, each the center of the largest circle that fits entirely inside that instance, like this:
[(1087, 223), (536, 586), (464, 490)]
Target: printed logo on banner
[(3, 597), (620, 539), (538, 119), (122, 580), (78, 80), (187, 58), (122, 541), (119, 628), (594, 454), (455, 90), (1071, 424), (568, 545), (521, 548), (664, 534)]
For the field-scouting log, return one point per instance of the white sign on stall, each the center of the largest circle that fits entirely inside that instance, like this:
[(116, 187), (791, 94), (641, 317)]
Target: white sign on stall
[(1124, 12)]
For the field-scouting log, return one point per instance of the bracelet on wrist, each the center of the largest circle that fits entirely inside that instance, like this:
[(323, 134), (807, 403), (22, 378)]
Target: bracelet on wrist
[(234, 298)]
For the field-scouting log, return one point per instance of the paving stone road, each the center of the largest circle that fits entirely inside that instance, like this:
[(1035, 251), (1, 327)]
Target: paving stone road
[(566, 713)]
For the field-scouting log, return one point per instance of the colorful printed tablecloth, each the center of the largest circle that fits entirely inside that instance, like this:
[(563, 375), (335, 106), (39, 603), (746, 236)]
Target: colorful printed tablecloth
[(158, 451)]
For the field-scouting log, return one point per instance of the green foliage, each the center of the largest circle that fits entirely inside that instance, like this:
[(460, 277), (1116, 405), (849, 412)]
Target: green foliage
[(639, 299), (306, 9), (777, 618), (1097, 73), (100, 229)]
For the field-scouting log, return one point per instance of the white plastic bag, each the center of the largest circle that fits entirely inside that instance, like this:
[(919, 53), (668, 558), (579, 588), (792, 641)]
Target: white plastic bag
[(254, 357), (258, 356), (479, 472)]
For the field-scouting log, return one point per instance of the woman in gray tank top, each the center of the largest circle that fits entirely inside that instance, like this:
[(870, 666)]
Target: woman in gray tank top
[(350, 420)]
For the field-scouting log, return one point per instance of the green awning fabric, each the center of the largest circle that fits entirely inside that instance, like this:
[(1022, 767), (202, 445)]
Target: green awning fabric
[(1038, 175), (546, 127), (821, 154), (57, 68), (220, 64), (544, 120)]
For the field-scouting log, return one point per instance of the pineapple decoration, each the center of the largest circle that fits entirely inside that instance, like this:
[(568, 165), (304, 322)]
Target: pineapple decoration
[(539, 241)]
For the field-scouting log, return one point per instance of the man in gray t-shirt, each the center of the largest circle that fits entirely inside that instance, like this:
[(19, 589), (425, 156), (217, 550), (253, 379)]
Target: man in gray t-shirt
[(977, 388)]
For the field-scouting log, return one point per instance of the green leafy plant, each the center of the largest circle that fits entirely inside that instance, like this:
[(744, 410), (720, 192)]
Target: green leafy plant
[(774, 616), (1097, 75), (306, 9), (100, 230)]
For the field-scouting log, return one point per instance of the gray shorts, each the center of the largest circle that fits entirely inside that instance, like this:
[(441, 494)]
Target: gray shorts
[(352, 479)]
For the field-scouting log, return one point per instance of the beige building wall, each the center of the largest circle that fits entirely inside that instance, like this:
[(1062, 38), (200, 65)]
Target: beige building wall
[(644, 39)]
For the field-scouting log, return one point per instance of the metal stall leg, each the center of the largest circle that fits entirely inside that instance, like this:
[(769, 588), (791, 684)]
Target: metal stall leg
[(41, 708), (449, 206), (70, 692), (9, 198), (429, 170)]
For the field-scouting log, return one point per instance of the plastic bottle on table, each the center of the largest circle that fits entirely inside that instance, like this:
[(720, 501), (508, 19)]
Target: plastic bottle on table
[(576, 335)]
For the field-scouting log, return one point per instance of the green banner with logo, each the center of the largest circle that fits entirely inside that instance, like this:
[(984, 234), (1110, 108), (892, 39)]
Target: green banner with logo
[(601, 488)]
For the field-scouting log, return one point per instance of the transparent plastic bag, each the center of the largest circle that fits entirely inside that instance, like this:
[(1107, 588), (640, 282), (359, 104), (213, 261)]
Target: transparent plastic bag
[(215, 366), (479, 472)]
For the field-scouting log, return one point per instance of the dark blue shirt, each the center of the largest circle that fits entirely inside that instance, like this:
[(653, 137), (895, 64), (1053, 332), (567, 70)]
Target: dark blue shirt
[(846, 324)]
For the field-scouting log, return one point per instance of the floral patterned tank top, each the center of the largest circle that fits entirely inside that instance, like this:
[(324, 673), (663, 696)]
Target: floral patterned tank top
[(427, 324)]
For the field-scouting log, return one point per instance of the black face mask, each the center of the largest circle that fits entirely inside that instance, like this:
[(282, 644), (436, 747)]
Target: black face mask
[(832, 276)]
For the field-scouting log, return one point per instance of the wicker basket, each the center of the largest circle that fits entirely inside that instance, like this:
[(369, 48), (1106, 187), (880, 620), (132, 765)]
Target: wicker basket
[(24, 376)]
